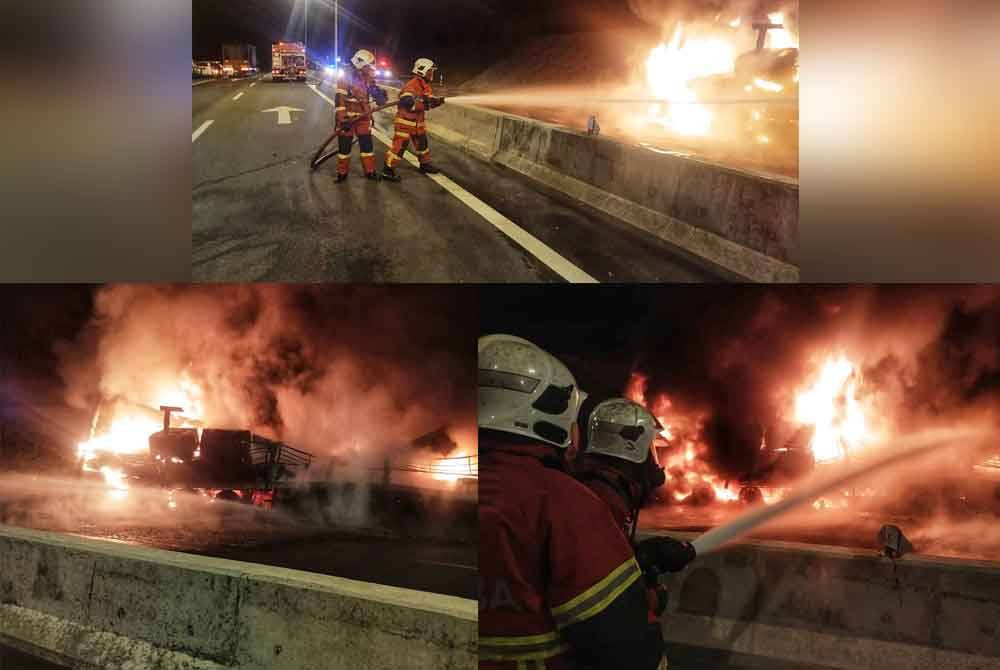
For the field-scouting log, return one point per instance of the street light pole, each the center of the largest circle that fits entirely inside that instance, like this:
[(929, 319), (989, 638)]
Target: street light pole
[(306, 43), (336, 36)]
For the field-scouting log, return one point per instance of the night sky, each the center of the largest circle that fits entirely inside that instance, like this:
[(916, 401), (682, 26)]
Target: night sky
[(463, 35)]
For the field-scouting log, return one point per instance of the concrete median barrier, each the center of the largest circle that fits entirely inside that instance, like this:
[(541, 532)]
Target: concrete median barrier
[(838, 608), (741, 223), (95, 604)]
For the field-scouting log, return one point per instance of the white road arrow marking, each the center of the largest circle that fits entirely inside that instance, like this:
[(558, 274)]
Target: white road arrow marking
[(284, 113)]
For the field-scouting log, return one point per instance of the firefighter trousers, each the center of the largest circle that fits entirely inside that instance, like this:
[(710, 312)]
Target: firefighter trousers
[(346, 140), (400, 141)]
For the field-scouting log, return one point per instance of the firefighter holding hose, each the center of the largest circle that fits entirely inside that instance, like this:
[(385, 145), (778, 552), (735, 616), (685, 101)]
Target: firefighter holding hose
[(560, 587), (410, 125), (353, 114), (619, 465)]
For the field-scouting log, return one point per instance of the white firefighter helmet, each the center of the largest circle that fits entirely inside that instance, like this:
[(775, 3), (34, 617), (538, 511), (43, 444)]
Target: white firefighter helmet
[(363, 58), (620, 428), (422, 66), (526, 391)]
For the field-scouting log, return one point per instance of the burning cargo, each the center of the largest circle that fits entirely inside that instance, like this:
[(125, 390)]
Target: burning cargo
[(226, 463)]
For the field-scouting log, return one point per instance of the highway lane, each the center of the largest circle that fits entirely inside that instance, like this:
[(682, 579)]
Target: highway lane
[(259, 213)]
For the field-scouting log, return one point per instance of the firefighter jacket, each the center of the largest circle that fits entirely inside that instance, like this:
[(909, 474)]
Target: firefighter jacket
[(413, 107), (352, 100), (559, 586)]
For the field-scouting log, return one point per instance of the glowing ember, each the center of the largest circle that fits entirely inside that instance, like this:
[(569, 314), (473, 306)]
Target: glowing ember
[(669, 70), (831, 405)]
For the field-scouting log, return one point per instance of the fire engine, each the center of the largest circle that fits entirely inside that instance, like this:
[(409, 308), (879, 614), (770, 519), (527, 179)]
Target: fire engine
[(288, 61)]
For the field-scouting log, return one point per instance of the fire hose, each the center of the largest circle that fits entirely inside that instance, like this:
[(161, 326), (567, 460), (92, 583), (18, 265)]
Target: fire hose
[(658, 555), (319, 157)]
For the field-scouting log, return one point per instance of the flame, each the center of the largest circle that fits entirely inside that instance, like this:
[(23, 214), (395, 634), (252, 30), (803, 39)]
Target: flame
[(779, 38), (458, 466), (766, 85), (127, 435), (832, 407), (130, 430), (669, 70)]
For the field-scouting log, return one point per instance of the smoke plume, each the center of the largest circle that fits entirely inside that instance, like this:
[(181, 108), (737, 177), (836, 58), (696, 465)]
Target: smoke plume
[(927, 357), (339, 371)]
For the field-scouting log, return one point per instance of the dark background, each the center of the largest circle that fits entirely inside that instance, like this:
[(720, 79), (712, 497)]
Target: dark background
[(463, 36)]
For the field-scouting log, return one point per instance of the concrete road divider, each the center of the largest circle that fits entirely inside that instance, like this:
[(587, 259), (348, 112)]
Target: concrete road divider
[(95, 604), (838, 608), (741, 223)]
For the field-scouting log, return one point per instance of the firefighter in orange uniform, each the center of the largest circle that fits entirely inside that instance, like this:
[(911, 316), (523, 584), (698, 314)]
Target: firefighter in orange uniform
[(560, 588), (414, 101), (352, 103), (620, 466)]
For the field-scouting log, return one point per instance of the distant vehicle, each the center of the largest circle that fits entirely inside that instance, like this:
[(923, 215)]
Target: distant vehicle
[(242, 56), (206, 68), (288, 61)]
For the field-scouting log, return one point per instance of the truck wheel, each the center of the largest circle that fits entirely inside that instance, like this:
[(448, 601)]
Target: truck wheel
[(319, 158)]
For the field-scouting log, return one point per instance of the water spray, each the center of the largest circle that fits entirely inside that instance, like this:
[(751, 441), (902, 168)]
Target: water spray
[(908, 447)]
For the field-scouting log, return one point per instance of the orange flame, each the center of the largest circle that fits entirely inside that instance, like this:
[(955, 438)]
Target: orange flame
[(832, 407)]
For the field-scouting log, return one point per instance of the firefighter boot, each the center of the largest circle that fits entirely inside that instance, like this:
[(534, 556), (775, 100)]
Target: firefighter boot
[(374, 176), (341, 177), (389, 174), (428, 168)]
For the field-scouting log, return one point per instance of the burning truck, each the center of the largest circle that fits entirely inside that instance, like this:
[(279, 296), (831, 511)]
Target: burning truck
[(225, 464), (830, 422)]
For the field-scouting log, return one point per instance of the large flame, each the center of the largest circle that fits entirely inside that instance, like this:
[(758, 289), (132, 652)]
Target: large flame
[(670, 69), (129, 429), (830, 404)]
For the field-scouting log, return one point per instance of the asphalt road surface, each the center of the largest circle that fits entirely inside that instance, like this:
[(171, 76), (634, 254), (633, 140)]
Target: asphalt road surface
[(260, 213)]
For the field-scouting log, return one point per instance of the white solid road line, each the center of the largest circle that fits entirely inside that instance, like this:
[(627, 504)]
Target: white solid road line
[(543, 252), (203, 81), (202, 128), (238, 95)]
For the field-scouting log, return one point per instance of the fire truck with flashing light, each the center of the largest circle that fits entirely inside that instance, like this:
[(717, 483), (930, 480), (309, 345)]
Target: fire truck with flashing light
[(288, 61)]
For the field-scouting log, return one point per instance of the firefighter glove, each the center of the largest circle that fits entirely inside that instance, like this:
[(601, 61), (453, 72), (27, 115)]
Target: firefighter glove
[(663, 554)]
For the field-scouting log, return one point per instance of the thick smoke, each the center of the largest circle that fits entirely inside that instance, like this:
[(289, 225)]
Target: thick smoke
[(341, 371), (927, 357), (667, 13)]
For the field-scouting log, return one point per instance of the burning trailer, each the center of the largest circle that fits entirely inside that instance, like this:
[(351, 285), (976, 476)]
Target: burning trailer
[(226, 464)]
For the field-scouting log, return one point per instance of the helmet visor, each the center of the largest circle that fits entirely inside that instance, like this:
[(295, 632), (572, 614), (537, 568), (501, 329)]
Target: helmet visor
[(628, 433), (507, 380)]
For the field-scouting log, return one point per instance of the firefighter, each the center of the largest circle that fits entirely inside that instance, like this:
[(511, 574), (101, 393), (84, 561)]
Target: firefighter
[(414, 101), (620, 466), (559, 586), (353, 110)]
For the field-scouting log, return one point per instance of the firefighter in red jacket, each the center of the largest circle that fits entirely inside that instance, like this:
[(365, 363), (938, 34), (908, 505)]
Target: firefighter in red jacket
[(414, 101), (619, 465), (560, 587), (352, 114)]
